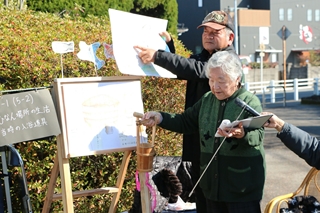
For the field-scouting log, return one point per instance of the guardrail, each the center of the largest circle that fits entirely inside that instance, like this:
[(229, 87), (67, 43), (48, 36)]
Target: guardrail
[(272, 96), (273, 87)]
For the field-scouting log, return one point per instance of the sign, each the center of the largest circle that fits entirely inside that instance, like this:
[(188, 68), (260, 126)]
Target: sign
[(27, 116), (284, 33), (262, 46), (305, 33), (144, 31), (97, 114), (264, 35)]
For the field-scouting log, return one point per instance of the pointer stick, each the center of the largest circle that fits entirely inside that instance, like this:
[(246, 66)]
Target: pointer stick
[(195, 185), (205, 169)]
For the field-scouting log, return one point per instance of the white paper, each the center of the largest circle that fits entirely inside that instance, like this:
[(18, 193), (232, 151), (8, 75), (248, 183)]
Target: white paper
[(180, 205), (129, 30), (100, 115), (252, 122)]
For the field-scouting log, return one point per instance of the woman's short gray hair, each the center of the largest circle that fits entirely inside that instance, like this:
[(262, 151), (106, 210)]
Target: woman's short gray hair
[(229, 63)]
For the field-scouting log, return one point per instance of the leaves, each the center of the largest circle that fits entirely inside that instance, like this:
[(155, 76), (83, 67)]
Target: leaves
[(27, 61)]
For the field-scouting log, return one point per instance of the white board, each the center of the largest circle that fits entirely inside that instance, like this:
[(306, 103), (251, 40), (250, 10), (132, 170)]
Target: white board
[(97, 114)]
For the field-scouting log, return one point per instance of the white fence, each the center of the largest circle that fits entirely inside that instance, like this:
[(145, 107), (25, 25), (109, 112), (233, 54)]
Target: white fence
[(274, 87)]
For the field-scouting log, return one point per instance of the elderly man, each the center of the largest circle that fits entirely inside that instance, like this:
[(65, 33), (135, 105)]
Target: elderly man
[(218, 35)]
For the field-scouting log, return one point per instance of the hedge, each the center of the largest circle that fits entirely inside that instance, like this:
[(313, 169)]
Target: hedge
[(27, 61), (166, 9)]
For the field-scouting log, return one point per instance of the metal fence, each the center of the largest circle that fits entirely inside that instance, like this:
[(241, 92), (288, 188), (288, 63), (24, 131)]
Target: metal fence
[(269, 89)]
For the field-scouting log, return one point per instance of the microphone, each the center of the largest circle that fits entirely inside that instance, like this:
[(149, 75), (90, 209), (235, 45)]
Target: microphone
[(246, 107)]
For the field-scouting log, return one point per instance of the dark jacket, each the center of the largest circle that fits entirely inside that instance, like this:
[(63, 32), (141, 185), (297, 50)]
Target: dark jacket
[(192, 70), (237, 173), (302, 143)]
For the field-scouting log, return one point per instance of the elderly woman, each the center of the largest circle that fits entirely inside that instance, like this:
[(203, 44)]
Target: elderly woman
[(234, 180)]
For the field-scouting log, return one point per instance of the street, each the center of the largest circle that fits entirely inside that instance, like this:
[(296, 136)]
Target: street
[(285, 170)]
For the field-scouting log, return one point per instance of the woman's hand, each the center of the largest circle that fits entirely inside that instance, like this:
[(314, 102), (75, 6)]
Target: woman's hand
[(151, 118), (235, 132)]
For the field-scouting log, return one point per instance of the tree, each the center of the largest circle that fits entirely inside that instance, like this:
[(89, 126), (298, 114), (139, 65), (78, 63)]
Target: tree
[(15, 3), (165, 9), (315, 58)]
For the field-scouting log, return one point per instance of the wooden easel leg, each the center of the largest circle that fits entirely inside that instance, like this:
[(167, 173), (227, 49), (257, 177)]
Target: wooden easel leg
[(144, 193), (66, 186), (120, 180), (51, 186)]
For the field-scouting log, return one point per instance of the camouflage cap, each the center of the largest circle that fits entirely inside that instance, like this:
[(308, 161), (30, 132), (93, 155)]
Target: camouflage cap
[(218, 20)]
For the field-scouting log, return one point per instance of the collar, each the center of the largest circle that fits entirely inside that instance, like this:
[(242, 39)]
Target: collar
[(205, 53), (234, 95)]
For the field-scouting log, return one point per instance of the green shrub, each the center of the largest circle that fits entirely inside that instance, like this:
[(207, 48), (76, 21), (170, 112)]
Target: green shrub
[(166, 9), (315, 58), (27, 61), (256, 65)]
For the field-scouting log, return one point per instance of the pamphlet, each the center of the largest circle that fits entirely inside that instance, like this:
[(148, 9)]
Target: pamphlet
[(250, 123)]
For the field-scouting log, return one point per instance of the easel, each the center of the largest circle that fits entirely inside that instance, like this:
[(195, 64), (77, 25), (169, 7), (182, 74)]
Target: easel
[(68, 101), (67, 194)]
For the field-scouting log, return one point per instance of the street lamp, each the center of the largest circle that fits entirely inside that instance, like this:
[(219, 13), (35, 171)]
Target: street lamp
[(262, 48), (254, 49)]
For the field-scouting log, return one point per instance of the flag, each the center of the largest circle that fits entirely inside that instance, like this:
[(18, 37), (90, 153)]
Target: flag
[(62, 46), (108, 50), (88, 53)]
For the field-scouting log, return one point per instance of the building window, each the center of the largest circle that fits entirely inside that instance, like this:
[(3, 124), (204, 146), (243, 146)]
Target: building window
[(309, 15), (317, 15), (281, 14), (289, 14)]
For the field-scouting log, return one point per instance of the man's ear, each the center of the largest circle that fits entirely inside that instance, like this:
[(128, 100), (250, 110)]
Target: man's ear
[(231, 38)]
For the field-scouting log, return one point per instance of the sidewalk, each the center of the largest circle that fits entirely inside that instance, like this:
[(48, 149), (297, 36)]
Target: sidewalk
[(285, 170)]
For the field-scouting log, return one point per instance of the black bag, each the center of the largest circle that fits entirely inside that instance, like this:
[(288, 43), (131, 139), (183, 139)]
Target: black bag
[(302, 204), (169, 179)]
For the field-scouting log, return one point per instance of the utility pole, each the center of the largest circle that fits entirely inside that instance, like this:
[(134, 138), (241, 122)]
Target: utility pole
[(284, 33), (262, 48), (236, 26), (284, 55)]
